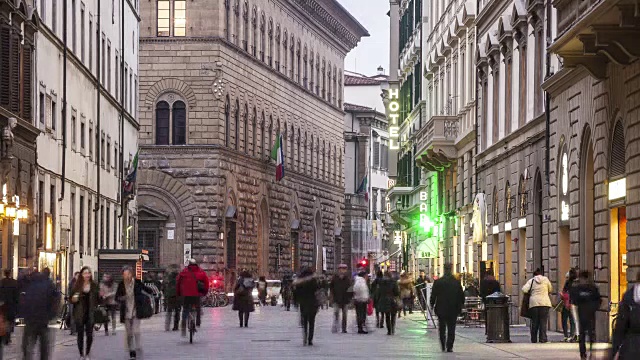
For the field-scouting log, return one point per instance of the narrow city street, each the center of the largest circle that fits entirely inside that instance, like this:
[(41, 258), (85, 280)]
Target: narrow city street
[(274, 334)]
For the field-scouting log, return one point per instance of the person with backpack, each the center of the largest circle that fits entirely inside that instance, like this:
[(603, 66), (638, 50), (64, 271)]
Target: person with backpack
[(191, 284), (539, 287), (136, 303), (626, 329), (242, 297), (171, 298), (586, 296)]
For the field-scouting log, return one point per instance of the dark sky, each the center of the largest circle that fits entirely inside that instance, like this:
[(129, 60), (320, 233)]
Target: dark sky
[(374, 50)]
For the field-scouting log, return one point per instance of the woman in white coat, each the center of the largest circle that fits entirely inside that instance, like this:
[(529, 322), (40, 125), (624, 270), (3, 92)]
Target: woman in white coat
[(539, 287)]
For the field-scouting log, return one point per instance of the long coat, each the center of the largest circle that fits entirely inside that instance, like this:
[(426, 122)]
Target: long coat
[(386, 294), (138, 295), (79, 307), (304, 294), (447, 296), (539, 288), (242, 295), (626, 334)]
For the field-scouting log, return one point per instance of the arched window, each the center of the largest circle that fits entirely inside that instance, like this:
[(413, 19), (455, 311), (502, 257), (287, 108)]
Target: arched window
[(285, 145), (162, 123), (311, 159), (253, 132), (227, 19), (236, 36), (299, 62), (254, 24), (267, 143), (300, 161), (292, 49), (278, 49), (245, 28), (524, 196), (508, 203), (285, 51), (324, 79), (330, 164), (496, 210), (236, 140), (291, 147), (262, 133), (323, 171), (340, 88), (270, 49), (329, 83), (179, 123), (563, 193), (262, 37), (335, 84), (227, 122), (245, 128), (318, 81)]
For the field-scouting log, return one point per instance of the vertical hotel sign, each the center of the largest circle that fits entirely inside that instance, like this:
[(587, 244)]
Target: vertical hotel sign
[(394, 115)]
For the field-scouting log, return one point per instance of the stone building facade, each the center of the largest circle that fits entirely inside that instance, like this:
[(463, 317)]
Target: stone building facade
[(214, 95), (594, 169)]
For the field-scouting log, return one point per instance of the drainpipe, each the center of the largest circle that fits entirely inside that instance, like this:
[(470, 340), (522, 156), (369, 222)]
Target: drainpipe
[(123, 202), (548, 100), (64, 99), (476, 138), (98, 109)]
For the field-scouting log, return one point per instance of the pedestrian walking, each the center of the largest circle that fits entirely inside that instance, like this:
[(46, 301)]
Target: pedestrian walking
[(568, 321), (262, 290), (108, 295), (286, 291), (242, 297), (406, 293), (9, 296), (41, 305), (361, 300), (72, 283), (85, 301), (191, 284), (448, 299), (375, 296), (386, 301), (421, 287), (626, 331), (171, 298), (539, 287), (340, 291), (306, 287), (135, 304), (586, 297)]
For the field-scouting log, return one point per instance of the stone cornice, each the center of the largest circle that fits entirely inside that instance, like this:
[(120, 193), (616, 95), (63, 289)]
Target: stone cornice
[(563, 79)]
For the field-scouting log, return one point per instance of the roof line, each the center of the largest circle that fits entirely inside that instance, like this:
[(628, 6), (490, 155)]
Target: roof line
[(365, 32)]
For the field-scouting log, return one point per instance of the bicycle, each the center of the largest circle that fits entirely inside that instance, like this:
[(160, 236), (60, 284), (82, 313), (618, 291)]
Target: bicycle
[(192, 322), (65, 319)]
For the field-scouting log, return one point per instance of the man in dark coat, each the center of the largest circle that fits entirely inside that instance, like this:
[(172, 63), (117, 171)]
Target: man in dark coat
[(10, 296), (586, 296), (340, 294), (448, 298), (421, 287), (626, 332), (171, 298), (41, 303)]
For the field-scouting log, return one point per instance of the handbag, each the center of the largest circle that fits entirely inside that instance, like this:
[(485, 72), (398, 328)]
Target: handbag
[(524, 307), (100, 315), (370, 308), (199, 284), (559, 306)]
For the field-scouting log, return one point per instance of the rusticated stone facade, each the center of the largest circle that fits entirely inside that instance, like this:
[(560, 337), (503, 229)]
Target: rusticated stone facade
[(213, 102)]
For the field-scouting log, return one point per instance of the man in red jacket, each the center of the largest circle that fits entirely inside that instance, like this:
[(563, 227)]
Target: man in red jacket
[(187, 288)]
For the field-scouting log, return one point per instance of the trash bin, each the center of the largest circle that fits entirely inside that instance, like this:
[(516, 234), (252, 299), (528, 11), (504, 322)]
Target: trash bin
[(497, 318)]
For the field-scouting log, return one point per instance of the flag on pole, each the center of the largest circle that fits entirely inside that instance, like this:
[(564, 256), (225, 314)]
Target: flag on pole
[(277, 154), (364, 188), (128, 184)]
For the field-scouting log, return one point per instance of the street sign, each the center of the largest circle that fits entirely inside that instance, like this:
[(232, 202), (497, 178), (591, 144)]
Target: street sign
[(187, 253)]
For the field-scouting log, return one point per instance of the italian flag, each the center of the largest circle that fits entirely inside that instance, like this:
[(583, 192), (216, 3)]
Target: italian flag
[(277, 154)]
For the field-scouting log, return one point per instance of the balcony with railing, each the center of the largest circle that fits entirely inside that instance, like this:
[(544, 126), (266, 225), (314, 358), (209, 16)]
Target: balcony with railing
[(592, 33), (436, 142)]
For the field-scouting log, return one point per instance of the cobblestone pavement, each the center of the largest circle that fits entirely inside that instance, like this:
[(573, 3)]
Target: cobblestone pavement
[(275, 334)]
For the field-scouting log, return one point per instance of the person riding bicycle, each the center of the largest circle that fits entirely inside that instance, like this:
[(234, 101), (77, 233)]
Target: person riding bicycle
[(191, 284)]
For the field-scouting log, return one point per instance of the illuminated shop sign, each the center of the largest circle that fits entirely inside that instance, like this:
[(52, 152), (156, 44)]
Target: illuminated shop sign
[(618, 189), (564, 206), (425, 223), (394, 114)]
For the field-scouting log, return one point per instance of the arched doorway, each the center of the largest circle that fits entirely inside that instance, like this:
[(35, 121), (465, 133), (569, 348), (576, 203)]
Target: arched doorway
[(263, 239), (318, 243), (537, 223), (586, 203)]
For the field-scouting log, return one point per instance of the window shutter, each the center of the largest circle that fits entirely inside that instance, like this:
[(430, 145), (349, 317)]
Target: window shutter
[(179, 123), (376, 154), (384, 156), (618, 153), (5, 39), (162, 123), (15, 73), (26, 84)]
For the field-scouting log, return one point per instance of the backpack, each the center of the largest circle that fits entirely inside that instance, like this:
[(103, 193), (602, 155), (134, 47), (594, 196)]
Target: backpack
[(199, 284), (144, 305)]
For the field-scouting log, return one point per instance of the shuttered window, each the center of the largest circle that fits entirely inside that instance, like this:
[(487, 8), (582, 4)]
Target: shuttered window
[(179, 123), (618, 154), (5, 39), (376, 154), (15, 73), (162, 123), (27, 110)]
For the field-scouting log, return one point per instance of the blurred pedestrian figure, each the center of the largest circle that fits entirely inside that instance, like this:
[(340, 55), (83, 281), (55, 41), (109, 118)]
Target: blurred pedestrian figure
[(305, 288), (539, 287), (41, 305), (171, 298), (488, 286), (262, 290), (361, 300), (242, 297), (386, 301), (406, 293), (85, 301), (72, 283), (570, 334), (448, 298), (375, 284), (134, 306), (108, 294), (340, 295), (10, 296), (586, 297), (190, 291), (286, 291), (421, 287), (626, 331)]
